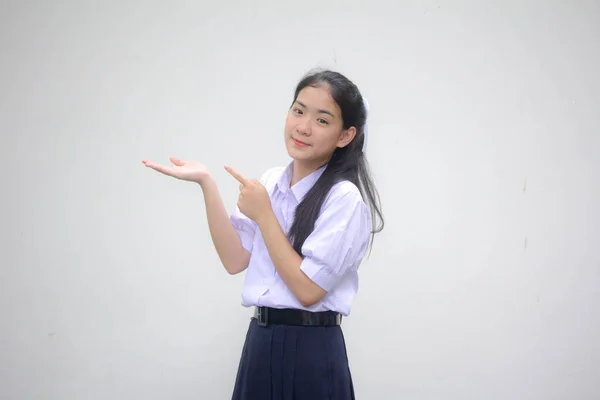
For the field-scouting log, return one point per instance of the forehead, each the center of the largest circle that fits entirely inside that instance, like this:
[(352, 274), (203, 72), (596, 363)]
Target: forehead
[(318, 99)]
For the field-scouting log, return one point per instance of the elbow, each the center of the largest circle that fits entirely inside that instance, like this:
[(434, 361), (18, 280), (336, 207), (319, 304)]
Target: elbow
[(234, 269), (308, 303), (310, 299), (308, 292), (237, 264)]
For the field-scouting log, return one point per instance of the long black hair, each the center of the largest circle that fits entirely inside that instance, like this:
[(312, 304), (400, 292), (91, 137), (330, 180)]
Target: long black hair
[(347, 163)]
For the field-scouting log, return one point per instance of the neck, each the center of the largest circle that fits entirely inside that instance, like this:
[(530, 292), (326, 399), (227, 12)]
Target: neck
[(301, 170)]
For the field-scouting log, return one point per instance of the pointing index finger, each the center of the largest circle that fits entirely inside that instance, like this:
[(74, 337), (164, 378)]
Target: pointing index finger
[(239, 177)]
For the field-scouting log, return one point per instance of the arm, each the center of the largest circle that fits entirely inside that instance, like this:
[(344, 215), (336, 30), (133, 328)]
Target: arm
[(228, 244), (339, 239), (231, 236), (287, 262)]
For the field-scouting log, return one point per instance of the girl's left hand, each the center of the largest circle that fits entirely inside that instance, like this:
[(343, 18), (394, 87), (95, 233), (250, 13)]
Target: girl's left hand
[(253, 201)]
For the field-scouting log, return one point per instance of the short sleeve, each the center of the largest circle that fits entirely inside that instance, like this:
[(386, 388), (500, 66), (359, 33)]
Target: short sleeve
[(339, 240), (244, 226)]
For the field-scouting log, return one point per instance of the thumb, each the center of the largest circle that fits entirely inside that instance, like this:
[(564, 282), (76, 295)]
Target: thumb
[(176, 161)]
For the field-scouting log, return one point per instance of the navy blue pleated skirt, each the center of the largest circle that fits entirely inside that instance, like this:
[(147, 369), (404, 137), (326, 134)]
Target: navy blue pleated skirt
[(281, 362)]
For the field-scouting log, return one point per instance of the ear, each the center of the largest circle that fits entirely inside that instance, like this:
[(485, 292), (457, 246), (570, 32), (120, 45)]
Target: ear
[(346, 137)]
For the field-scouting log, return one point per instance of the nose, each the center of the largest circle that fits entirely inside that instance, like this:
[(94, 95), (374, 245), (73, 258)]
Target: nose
[(304, 127)]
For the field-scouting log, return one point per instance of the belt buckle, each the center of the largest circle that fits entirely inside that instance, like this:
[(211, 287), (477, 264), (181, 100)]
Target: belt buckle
[(262, 316)]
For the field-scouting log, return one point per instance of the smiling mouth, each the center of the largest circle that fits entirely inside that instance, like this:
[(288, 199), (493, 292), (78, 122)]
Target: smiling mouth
[(299, 143)]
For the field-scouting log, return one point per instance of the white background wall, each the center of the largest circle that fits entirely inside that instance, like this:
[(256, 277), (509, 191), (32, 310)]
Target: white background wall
[(484, 142)]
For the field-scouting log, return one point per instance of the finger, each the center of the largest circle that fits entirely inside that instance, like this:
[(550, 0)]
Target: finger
[(160, 168), (176, 161), (239, 177)]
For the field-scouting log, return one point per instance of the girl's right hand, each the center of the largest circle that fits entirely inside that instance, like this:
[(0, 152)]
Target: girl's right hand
[(185, 170)]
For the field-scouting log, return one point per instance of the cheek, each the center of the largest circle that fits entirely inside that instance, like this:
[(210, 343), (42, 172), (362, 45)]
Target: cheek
[(289, 125), (329, 140), (329, 136)]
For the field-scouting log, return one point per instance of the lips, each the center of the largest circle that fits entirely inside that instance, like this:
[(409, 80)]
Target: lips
[(299, 143)]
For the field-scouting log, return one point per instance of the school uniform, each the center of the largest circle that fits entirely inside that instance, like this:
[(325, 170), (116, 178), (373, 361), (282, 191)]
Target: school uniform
[(291, 351)]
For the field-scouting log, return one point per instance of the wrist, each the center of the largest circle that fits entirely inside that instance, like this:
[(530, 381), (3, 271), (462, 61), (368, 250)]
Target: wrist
[(266, 219), (205, 181)]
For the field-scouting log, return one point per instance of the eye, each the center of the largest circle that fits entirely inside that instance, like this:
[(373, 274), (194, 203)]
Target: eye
[(297, 111), (322, 121)]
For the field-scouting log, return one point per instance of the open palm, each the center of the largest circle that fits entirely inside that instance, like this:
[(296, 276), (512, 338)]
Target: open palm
[(185, 170)]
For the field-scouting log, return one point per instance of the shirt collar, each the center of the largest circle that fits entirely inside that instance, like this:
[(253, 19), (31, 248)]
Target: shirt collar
[(301, 187)]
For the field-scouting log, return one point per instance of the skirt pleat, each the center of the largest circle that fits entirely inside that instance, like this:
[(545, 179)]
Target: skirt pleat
[(281, 362)]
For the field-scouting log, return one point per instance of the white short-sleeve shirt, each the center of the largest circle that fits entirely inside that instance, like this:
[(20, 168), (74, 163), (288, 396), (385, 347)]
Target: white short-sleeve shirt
[(331, 254)]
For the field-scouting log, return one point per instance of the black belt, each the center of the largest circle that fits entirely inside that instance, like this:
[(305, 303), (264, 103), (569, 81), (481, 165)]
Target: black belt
[(286, 316)]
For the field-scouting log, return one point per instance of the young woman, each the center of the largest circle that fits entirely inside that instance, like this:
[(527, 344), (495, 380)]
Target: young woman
[(300, 233)]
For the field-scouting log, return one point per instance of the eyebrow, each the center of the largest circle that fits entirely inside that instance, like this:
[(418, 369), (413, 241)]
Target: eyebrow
[(320, 111)]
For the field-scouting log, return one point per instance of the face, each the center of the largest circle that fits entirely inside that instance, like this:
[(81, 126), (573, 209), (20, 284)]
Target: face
[(314, 127)]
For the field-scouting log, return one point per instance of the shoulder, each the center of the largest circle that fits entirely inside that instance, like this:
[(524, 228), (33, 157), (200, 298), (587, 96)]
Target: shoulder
[(346, 193), (344, 204)]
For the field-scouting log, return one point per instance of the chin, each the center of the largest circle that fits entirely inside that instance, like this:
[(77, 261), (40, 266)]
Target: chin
[(296, 154)]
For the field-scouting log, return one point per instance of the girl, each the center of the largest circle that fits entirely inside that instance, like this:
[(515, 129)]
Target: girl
[(300, 234)]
